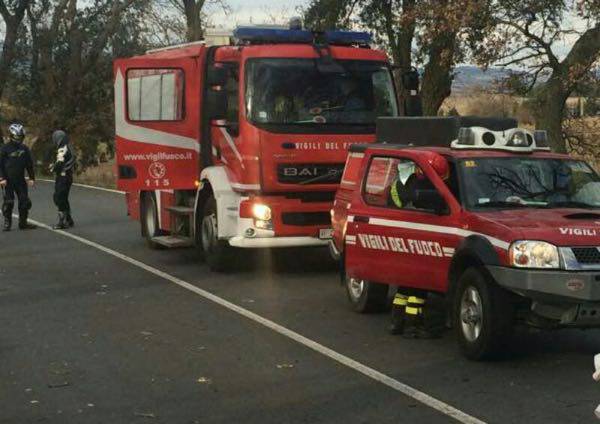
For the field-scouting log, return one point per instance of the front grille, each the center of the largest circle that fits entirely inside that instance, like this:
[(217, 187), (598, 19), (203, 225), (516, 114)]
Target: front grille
[(312, 196), (306, 173), (587, 255), (306, 218)]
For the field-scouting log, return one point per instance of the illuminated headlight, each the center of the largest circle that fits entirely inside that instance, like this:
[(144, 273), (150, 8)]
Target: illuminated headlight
[(261, 212), (534, 254)]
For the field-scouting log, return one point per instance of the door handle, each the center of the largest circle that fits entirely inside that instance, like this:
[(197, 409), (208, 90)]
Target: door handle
[(361, 219)]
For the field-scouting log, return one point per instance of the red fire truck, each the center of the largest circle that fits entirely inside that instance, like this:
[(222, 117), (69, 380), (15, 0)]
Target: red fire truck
[(243, 146), (493, 222)]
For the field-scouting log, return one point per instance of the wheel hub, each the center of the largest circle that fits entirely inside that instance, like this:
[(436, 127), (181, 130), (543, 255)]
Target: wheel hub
[(471, 314), (209, 232), (356, 287)]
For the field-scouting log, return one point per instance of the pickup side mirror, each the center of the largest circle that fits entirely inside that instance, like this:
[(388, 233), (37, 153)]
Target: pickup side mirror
[(431, 200)]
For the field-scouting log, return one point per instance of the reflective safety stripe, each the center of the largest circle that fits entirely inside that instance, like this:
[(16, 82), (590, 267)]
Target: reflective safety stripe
[(416, 300), (401, 301), (413, 311), (396, 196)]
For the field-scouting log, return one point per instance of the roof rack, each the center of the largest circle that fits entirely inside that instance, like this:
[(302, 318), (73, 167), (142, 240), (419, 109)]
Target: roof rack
[(176, 46)]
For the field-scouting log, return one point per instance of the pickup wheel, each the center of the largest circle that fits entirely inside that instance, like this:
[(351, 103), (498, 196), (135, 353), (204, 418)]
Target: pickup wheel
[(483, 315), (149, 220), (366, 297), (217, 253)]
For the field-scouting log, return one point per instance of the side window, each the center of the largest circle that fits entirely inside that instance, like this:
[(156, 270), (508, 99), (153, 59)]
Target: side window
[(233, 95), (400, 184), (155, 94)]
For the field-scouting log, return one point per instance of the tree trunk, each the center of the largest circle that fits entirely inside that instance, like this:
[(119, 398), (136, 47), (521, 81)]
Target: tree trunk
[(437, 78), (550, 109), (193, 18)]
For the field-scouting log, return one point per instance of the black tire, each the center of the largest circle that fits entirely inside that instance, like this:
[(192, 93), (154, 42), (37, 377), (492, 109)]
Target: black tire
[(217, 253), (149, 220), (366, 297), (483, 331)]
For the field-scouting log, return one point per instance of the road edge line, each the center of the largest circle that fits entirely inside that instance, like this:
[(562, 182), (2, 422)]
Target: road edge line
[(342, 359)]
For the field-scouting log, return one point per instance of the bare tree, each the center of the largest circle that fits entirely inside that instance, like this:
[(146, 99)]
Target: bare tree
[(12, 14), (526, 34)]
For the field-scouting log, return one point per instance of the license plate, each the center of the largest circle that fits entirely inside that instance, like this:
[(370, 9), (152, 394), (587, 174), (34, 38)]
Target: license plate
[(326, 233)]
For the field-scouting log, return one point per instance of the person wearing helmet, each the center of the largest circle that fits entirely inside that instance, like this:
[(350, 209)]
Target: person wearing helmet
[(410, 316), (63, 169), (15, 159)]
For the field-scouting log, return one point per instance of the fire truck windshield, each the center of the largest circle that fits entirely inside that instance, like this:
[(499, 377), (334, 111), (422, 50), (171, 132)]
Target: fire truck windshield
[(297, 92), (489, 183)]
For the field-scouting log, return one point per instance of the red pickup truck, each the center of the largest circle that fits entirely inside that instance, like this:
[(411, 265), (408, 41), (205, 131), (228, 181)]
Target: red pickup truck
[(506, 231)]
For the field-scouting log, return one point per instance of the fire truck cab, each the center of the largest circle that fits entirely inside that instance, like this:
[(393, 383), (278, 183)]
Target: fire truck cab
[(243, 146), (476, 212)]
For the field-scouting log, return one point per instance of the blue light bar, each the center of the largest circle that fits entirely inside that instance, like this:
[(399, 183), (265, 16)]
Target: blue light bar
[(253, 35), (348, 38)]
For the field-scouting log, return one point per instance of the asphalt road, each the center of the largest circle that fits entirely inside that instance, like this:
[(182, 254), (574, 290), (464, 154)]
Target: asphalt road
[(88, 337)]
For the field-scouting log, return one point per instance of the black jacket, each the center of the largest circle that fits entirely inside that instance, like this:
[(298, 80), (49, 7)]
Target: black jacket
[(65, 160), (15, 159)]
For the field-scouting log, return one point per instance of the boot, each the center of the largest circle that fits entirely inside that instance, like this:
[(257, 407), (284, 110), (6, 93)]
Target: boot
[(7, 224), (69, 220), (24, 224), (62, 224), (416, 329), (398, 315)]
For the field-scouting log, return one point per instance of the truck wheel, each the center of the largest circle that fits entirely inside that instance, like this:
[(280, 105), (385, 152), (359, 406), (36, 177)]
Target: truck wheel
[(216, 252), (483, 315), (365, 296), (149, 220)]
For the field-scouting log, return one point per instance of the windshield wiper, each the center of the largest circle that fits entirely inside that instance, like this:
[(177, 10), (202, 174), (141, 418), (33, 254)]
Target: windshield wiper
[(571, 204), (331, 174), (503, 204)]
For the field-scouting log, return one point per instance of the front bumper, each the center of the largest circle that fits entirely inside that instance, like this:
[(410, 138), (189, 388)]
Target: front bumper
[(567, 298), (550, 284), (275, 242)]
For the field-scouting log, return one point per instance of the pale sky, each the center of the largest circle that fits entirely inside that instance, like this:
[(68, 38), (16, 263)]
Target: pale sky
[(257, 11)]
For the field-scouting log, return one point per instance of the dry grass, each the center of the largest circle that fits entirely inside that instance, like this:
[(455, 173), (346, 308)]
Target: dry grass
[(102, 175)]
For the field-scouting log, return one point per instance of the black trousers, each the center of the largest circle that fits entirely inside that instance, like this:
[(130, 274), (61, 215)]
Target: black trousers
[(16, 189), (62, 187)]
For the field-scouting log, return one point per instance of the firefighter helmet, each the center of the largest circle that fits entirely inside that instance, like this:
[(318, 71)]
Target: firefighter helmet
[(439, 164)]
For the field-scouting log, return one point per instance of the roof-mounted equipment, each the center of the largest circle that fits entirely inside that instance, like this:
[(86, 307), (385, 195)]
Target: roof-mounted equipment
[(296, 35), (514, 139)]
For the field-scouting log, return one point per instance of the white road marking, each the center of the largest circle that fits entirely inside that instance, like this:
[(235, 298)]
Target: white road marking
[(367, 371), (110, 190)]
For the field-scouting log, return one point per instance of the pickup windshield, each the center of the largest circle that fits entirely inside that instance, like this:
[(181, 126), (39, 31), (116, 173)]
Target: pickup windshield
[(498, 183), (297, 92)]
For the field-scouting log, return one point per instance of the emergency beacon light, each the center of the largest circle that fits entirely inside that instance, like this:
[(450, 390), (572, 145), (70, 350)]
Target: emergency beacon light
[(259, 35), (515, 139)]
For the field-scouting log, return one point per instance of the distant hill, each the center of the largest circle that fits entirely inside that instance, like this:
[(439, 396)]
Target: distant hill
[(469, 77)]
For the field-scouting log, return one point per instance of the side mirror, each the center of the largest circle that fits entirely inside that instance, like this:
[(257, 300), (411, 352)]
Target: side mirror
[(216, 75), (430, 200), (216, 104)]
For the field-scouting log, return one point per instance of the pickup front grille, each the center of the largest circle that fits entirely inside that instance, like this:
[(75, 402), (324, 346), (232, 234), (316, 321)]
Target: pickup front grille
[(587, 255), (306, 218)]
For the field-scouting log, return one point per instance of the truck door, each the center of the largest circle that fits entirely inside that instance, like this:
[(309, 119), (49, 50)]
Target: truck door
[(157, 123), (398, 235)]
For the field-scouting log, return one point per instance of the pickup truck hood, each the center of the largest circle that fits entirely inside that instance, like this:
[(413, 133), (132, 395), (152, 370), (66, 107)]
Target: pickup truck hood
[(562, 227)]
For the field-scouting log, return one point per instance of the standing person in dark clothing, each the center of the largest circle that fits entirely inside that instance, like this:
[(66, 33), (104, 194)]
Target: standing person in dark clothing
[(15, 159), (63, 169)]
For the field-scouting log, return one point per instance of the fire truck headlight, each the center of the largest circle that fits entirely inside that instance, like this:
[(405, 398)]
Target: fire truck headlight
[(261, 212), (534, 254)]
